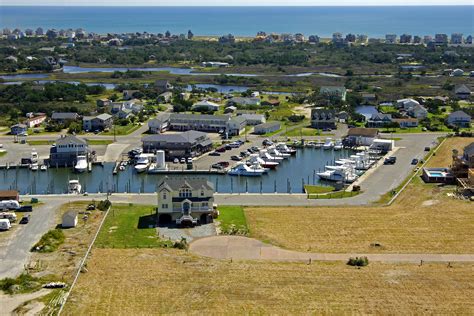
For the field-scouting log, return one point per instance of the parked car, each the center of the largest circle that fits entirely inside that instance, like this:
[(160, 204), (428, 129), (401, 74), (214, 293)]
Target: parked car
[(390, 160), (26, 208), (244, 153), (267, 142), (176, 160), (427, 148), (236, 158), (224, 164), (217, 166), (214, 153), (25, 219), (183, 160), (221, 149), (190, 160), (414, 161)]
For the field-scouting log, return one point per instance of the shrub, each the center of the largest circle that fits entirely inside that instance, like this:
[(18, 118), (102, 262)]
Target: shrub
[(104, 205), (50, 241), (181, 244), (23, 283), (358, 262), (235, 230)]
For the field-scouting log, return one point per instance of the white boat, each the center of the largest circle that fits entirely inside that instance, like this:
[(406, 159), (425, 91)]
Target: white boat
[(74, 187), (43, 168), (143, 162), (34, 166), (254, 158), (81, 164), (241, 169), (275, 152), (338, 145), (318, 144), (328, 144), (284, 149), (267, 157), (343, 173), (34, 157), (160, 164)]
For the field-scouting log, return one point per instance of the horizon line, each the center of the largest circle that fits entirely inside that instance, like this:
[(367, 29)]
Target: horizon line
[(239, 6)]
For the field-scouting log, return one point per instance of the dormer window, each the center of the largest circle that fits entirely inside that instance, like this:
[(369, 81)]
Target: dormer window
[(185, 192), (164, 195)]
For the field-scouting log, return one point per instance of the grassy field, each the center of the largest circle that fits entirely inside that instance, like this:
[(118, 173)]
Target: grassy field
[(165, 281), (231, 215), (122, 130), (444, 153), (129, 225), (317, 189), (50, 142)]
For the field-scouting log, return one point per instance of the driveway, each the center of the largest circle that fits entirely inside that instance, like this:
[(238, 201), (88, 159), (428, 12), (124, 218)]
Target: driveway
[(243, 248)]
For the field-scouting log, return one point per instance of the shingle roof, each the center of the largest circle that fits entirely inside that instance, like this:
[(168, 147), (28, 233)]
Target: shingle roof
[(185, 137), (70, 139), (460, 113), (174, 184), (64, 116), (462, 89)]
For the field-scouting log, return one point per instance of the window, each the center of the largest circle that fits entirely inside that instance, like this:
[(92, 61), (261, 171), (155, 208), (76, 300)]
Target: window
[(202, 192), (185, 192), (164, 205), (205, 204), (164, 195)]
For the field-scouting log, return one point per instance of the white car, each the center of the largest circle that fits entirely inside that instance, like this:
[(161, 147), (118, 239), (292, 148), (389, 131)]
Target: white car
[(1, 145), (190, 160), (176, 160)]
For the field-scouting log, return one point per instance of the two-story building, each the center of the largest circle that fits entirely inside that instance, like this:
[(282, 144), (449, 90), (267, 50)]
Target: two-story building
[(18, 129), (185, 201), (64, 117), (66, 149), (459, 118), (97, 123), (178, 145), (379, 120), (323, 118)]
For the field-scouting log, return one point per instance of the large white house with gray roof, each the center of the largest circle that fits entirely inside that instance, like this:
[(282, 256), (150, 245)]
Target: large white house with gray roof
[(66, 149), (97, 123), (185, 201)]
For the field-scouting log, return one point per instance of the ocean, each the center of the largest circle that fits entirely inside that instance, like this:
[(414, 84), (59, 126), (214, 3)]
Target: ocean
[(374, 21)]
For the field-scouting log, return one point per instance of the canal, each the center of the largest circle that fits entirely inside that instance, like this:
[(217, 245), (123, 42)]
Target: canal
[(289, 177)]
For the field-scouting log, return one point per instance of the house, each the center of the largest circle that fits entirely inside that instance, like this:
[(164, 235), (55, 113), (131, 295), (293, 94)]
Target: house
[(8, 195), (165, 97), (359, 136), (97, 123), (209, 106), (66, 149), (116, 107), (35, 120), (128, 94), (407, 104), (462, 92), (64, 117), (178, 145), (406, 122), (459, 118), (457, 73), (103, 102), (323, 118), (185, 201), (271, 102), (135, 105), (125, 114), (18, 129), (379, 120), (159, 124), (418, 111), (230, 109), (333, 91), (69, 219), (244, 101), (266, 128), (254, 119), (163, 85), (207, 123)]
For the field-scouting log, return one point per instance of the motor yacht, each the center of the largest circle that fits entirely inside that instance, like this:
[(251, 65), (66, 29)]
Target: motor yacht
[(338, 145), (74, 187), (267, 157), (284, 149), (328, 144), (272, 150), (241, 169), (142, 163), (34, 166), (81, 164), (254, 158), (43, 168)]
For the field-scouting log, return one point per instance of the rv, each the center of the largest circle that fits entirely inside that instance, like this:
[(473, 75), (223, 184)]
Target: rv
[(8, 215), (9, 204), (5, 224)]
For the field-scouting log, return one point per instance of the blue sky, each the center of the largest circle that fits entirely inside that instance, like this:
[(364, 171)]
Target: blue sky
[(232, 2)]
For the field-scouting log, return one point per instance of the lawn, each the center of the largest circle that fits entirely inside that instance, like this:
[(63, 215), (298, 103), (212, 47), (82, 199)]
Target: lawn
[(317, 189), (302, 131), (138, 281), (231, 215), (3, 153), (444, 153), (89, 141), (129, 226), (122, 130)]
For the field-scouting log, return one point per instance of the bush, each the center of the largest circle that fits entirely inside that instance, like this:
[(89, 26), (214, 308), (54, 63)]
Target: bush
[(23, 283), (235, 230), (50, 241), (104, 205), (358, 262), (181, 244)]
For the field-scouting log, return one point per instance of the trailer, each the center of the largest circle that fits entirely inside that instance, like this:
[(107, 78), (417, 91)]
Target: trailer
[(5, 224), (9, 205), (8, 215)]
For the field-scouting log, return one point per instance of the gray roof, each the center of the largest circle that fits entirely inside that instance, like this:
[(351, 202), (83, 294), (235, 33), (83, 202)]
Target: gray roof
[(104, 116), (199, 116), (460, 113), (380, 117), (239, 119), (249, 116), (267, 125), (70, 139), (185, 137), (175, 183), (462, 89), (64, 116), (469, 149)]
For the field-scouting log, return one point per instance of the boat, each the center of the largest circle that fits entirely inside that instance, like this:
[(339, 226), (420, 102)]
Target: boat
[(254, 158), (74, 187), (43, 168), (81, 164), (34, 156), (241, 169), (328, 144), (338, 145), (34, 166), (275, 152), (143, 162), (267, 157), (345, 173), (159, 165), (284, 149), (318, 144)]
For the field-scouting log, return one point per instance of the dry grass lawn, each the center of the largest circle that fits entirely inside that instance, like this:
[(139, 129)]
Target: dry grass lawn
[(164, 281), (444, 153)]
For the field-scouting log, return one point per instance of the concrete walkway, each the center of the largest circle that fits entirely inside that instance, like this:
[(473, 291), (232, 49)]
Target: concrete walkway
[(243, 248)]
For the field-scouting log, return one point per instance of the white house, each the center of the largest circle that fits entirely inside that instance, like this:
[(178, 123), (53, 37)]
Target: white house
[(360, 136), (254, 119), (407, 104), (69, 219), (457, 72), (211, 106), (459, 118)]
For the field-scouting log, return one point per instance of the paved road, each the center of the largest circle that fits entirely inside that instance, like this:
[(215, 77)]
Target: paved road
[(15, 249), (243, 248)]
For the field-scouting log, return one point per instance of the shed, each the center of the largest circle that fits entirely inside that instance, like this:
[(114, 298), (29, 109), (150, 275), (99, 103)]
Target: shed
[(69, 219), (7, 195)]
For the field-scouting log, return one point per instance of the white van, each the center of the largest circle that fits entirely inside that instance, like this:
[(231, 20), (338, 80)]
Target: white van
[(5, 224), (9, 204), (8, 215)]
